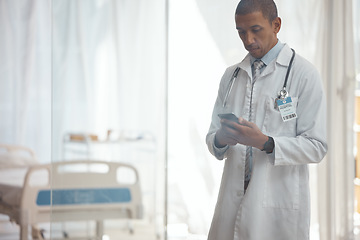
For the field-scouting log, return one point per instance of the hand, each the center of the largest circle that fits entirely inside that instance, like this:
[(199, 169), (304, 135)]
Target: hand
[(244, 132)]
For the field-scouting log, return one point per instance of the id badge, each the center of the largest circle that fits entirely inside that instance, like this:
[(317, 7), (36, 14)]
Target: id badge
[(287, 109)]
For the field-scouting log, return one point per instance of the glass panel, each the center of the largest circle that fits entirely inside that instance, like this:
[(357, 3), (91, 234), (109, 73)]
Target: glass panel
[(108, 135)]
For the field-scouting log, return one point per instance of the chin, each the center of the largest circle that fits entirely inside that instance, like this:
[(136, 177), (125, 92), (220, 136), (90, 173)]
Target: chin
[(256, 54)]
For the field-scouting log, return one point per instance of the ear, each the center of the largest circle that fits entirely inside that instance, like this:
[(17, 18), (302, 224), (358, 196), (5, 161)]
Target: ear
[(276, 25)]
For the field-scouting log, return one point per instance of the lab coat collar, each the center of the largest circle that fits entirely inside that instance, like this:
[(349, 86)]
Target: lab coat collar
[(245, 65), (284, 56), (282, 60)]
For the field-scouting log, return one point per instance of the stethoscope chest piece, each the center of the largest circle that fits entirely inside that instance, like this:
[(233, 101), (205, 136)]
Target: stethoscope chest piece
[(282, 95)]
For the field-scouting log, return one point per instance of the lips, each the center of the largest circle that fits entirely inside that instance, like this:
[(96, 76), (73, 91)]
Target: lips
[(252, 49)]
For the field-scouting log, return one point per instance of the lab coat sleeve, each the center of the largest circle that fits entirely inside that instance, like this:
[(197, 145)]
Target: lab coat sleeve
[(219, 153), (309, 145)]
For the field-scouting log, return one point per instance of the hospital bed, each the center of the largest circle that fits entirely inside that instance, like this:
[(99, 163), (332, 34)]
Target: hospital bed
[(78, 190)]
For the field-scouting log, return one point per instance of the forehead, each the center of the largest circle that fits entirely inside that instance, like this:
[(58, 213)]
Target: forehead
[(250, 20)]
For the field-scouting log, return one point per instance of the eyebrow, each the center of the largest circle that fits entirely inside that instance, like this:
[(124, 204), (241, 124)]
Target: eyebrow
[(254, 26)]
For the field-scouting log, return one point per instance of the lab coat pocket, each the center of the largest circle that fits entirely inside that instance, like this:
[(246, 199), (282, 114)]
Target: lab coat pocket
[(281, 187), (273, 124)]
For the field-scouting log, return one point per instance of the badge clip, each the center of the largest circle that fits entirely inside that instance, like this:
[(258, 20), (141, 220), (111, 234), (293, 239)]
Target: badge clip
[(282, 95)]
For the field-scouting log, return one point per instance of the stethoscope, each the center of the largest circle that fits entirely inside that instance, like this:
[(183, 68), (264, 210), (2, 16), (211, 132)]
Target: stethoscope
[(282, 95)]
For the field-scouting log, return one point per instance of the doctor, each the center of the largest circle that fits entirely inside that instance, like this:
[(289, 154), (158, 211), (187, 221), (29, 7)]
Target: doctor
[(281, 128)]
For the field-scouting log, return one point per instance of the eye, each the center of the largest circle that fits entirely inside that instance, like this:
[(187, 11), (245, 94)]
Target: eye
[(242, 33), (256, 30)]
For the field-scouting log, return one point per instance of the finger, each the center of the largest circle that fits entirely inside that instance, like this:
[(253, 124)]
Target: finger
[(229, 123), (231, 140), (225, 136), (244, 122), (230, 132)]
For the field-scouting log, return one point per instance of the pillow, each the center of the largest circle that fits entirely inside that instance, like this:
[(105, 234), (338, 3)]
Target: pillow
[(12, 159)]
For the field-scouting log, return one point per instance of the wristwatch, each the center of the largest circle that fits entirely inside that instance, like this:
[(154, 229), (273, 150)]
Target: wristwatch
[(269, 145)]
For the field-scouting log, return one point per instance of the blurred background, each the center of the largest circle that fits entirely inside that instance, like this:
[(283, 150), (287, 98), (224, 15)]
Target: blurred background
[(135, 82)]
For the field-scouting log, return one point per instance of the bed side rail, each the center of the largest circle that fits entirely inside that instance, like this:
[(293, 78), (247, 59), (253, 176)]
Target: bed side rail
[(97, 189)]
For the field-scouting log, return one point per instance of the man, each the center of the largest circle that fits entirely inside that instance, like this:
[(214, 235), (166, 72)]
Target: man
[(264, 193)]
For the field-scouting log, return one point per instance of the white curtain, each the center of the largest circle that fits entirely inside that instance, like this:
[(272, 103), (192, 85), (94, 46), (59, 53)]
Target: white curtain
[(109, 73), (25, 75), (336, 61), (108, 67)]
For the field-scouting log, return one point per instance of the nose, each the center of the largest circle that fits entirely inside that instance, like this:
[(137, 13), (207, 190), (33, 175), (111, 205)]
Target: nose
[(248, 39)]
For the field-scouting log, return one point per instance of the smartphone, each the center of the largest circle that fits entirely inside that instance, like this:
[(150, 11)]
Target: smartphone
[(229, 116)]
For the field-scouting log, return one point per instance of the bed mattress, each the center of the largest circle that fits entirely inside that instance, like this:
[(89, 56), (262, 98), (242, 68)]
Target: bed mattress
[(11, 182)]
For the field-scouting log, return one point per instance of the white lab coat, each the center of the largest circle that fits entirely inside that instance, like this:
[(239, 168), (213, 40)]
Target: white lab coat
[(276, 205)]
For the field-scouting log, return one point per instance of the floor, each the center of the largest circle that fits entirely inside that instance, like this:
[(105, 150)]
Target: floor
[(114, 230)]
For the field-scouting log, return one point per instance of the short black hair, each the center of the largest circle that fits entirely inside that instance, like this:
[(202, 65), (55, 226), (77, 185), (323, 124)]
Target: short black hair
[(267, 7)]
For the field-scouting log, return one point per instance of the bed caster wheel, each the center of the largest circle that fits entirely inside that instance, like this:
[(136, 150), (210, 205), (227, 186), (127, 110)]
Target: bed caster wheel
[(65, 234), (37, 234)]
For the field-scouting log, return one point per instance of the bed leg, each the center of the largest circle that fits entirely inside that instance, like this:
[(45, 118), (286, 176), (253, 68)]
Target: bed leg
[(130, 227), (99, 229), (24, 232)]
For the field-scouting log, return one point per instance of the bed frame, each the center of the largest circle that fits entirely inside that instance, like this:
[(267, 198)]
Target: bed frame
[(77, 191)]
